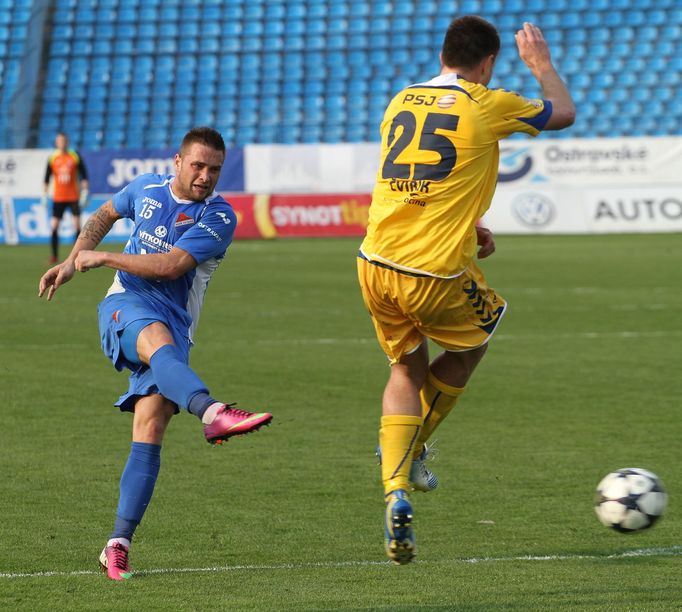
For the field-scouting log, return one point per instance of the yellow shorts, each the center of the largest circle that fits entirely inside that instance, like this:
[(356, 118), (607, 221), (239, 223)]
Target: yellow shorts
[(459, 314)]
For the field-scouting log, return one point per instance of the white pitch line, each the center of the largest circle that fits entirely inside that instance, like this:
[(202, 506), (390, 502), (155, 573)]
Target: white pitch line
[(671, 551)]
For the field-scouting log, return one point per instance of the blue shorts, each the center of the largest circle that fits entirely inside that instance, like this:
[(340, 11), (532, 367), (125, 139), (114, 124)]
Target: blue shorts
[(121, 318)]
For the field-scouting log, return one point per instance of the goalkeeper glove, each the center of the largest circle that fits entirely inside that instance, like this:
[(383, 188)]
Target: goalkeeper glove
[(43, 200), (84, 200)]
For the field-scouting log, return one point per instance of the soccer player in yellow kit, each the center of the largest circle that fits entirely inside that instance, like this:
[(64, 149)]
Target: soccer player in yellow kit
[(416, 268)]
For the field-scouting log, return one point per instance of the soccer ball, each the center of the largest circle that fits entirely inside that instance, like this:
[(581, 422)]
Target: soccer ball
[(630, 499)]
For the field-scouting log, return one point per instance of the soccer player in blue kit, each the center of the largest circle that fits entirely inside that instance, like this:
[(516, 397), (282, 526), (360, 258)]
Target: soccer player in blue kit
[(147, 319)]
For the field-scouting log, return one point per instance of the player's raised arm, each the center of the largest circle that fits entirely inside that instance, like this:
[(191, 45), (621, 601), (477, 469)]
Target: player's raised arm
[(97, 226), (533, 50)]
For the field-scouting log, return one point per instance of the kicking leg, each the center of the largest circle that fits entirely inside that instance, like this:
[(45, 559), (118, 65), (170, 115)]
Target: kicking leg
[(155, 347), (448, 375), (446, 380)]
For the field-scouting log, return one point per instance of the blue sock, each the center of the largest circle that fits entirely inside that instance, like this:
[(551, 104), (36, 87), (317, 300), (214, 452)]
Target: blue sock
[(137, 485), (174, 378), (200, 403)]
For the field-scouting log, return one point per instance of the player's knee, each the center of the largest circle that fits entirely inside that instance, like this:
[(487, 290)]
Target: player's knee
[(152, 415), (154, 430), (151, 429), (151, 338), (461, 365), (413, 372)]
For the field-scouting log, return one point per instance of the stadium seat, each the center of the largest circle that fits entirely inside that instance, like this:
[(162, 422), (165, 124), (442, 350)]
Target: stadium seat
[(359, 53)]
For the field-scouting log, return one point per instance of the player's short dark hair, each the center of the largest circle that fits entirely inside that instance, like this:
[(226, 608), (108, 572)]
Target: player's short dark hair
[(468, 41), (203, 135)]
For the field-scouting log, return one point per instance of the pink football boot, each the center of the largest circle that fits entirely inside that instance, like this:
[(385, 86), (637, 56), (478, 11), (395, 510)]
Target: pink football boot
[(230, 421)]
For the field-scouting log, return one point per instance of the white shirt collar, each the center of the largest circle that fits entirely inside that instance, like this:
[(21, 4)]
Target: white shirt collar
[(449, 78)]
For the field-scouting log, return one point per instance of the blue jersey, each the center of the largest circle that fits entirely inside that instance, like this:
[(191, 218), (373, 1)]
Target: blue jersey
[(163, 221)]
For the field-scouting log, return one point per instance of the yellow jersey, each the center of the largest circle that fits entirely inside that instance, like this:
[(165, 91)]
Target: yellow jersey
[(438, 171)]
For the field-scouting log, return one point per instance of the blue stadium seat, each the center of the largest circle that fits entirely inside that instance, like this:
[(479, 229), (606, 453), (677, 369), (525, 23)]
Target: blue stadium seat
[(102, 47), (246, 135), (254, 10), (358, 41), (116, 121), (52, 108), (125, 30), (291, 134), (118, 105), (357, 133), (49, 124), (311, 134), (356, 26), (381, 8), (296, 10), (60, 48), (92, 138), (337, 10), (233, 12), (135, 139), (610, 51)]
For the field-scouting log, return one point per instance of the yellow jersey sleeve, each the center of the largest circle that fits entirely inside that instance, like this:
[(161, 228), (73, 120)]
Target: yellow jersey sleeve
[(509, 112)]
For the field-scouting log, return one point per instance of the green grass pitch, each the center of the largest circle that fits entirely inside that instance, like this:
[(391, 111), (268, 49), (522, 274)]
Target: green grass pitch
[(583, 377)]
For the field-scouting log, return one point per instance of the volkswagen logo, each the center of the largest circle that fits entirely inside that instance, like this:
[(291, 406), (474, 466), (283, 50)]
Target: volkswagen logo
[(533, 209)]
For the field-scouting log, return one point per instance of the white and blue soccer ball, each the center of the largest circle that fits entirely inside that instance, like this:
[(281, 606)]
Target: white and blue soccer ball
[(630, 499)]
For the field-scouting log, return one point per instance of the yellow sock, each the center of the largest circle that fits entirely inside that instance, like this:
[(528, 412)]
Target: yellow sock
[(438, 399), (397, 437)]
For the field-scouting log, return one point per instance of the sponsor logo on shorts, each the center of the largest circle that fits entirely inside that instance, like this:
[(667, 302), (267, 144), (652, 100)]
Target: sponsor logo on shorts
[(488, 319)]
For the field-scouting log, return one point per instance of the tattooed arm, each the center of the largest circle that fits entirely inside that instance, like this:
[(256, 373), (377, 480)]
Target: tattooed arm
[(97, 226)]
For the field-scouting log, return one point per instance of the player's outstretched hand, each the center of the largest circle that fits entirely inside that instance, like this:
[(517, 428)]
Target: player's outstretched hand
[(54, 278), (87, 260), (533, 49), (484, 239)]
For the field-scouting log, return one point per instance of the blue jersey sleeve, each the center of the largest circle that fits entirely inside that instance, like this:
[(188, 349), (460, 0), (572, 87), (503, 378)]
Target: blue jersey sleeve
[(124, 200), (211, 235)]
